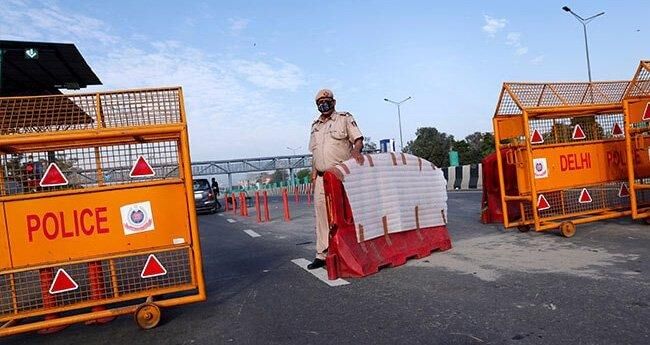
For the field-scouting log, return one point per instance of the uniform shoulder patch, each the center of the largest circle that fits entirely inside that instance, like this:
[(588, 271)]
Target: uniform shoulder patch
[(345, 113)]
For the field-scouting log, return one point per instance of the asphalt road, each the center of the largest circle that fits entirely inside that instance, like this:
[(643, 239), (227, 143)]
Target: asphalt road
[(493, 287)]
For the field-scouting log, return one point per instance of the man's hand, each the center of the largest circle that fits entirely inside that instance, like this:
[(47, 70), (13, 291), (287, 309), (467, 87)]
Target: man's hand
[(357, 156)]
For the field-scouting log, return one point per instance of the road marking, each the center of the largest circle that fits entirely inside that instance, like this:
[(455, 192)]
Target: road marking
[(231, 220), (221, 215), (252, 233), (319, 273)]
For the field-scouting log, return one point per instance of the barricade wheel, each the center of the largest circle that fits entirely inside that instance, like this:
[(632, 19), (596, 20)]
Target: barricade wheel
[(523, 228), (147, 316), (568, 229)]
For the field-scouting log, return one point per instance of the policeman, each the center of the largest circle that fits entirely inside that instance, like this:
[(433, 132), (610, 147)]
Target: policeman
[(335, 137)]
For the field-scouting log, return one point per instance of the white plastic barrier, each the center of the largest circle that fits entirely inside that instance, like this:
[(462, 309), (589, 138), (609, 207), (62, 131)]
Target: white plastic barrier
[(394, 192)]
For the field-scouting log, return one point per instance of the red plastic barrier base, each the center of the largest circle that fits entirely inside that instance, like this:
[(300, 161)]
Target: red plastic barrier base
[(347, 258), (491, 209)]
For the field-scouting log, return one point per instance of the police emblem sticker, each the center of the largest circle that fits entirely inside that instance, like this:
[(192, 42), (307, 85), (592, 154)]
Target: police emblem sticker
[(540, 167), (137, 218)]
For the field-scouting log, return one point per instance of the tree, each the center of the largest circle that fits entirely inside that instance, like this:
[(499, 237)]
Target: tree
[(479, 145), (369, 146), (279, 176), (434, 146), (431, 145), (300, 175)]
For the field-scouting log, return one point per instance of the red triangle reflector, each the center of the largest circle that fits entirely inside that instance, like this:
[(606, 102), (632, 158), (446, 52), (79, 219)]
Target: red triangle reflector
[(53, 177), (585, 197), (578, 133), (646, 112), (153, 268), (617, 130), (141, 168), (624, 191), (542, 203), (536, 138), (62, 282)]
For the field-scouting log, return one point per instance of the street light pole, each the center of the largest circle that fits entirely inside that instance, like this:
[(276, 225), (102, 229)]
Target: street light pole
[(399, 118), (584, 22), (294, 149)]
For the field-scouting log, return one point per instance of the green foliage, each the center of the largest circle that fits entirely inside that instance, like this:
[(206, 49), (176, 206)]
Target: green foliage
[(431, 145), (434, 146), (279, 176), (304, 173)]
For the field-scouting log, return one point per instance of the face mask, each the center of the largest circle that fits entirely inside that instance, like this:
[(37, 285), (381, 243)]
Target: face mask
[(325, 107)]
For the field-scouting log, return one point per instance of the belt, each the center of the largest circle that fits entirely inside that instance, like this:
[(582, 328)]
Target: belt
[(320, 173)]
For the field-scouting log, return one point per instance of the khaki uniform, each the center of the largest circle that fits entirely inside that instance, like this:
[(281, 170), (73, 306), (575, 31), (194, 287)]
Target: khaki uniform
[(330, 143)]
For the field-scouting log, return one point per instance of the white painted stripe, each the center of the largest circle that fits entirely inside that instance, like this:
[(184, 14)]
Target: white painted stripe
[(464, 178), (252, 233), (319, 273), (479, 184), (221, 215), (231, 220), (451, 174)]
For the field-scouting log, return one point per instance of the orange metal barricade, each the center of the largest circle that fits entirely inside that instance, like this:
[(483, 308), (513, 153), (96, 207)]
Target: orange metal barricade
[(637, 117), (98, 212), (567, 143)]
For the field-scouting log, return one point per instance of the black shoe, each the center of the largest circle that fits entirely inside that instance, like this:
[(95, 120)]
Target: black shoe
[(318, 263)]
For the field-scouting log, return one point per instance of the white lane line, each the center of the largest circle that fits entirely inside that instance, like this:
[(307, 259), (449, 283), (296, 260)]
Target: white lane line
[(221, 215), (252, 233), (319, 273), (231, 220)]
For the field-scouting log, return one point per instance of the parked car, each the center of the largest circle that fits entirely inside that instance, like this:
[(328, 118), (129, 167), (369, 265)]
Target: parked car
[(204, 198)]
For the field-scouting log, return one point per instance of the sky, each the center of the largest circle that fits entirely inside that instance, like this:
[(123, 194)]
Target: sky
[(250, 69)]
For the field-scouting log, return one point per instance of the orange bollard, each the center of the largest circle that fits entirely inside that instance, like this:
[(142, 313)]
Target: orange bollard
[(285, 203), (225, 203), (244, 205), (267, 216), (49, 301), (258, 212), (234, 203), (97, 291), (296, 196), (308, 196)]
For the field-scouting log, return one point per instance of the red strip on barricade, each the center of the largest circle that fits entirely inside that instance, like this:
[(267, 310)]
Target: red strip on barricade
[(267, 216), (347, 257)]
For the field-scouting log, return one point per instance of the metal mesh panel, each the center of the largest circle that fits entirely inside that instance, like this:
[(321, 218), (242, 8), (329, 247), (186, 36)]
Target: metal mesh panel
[(23, 172), (641, 83), (566, 202), (535, 95), (141, 108), (6, 300), (95, 282), (560, 130), (518, 215), (507, 105), (47, 114), (128, 270), (19, 115)]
